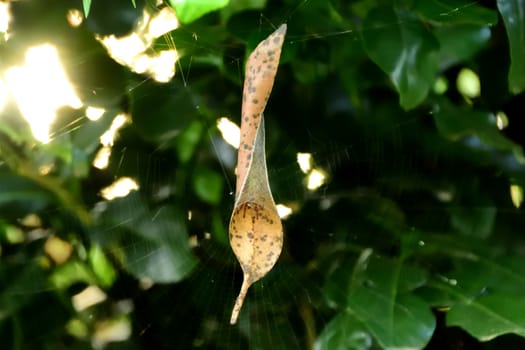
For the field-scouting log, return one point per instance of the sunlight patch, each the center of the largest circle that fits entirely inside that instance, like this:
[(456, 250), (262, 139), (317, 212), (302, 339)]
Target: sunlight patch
[(58, 250), (305, 162), (283, 211), (92, 295), (502, 121), (120, 188), (444, 195), (135, 50), (101, 160), (74, 17), (40, 88), (230, 132), (516, 194), (146, 283), (315, 179), (94, 113), (5, 17), (108, 138), (3, 94), (112, 330)]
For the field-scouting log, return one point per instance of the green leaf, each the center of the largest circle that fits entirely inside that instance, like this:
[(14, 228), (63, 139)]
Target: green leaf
[(15, 188), (163, 263), (380, 286), (154, 244), (482, 275), (190, 10), (513, 14), (460, 43), (405, 50), (455, 11), (16, 286), (174, 109), (475, 222), (161, 251), (71, 272), (218, 230), (456, 123), (343, 332), (242, 5), (101, 266), (407, 321), (87, 6), (490, 316), (188, 139), (487, 294), (208, 185)]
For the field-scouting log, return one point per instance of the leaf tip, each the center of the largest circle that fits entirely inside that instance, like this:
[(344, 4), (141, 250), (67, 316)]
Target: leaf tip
[(240, 300)]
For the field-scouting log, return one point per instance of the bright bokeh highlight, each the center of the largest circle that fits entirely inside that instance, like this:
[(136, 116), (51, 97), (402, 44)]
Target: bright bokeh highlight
[(516, 194), (108, 138), (94, 113), (230, 132), (283, 211), (134, 50), (3, 95), (305, 162), (5, 17), (40, 87), (120, 188), (315, 179)]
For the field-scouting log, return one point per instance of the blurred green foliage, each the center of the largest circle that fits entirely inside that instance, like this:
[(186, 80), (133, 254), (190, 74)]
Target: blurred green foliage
[(414, 241)]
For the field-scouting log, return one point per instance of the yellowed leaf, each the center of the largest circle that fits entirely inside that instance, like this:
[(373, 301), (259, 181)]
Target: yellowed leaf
[(256, 232)]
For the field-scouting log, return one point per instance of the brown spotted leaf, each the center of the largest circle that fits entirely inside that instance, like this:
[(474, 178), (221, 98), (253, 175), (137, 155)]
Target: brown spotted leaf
[(256, 232), (261, 69)]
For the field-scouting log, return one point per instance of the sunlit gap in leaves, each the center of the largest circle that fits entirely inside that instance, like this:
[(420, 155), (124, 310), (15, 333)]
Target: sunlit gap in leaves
[(5, 17), (40, 87), (3, 95), (57, 249), (94, 113), (136, 49), (305, 162), (74, 17), (315, 177), (120, 188), (284, 211), (230, 132), (502, 121), (111, 330), (91, 295), (116, 327), (107, 139)]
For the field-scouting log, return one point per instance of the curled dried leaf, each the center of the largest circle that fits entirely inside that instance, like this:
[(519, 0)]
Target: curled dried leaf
[(256, 232)]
